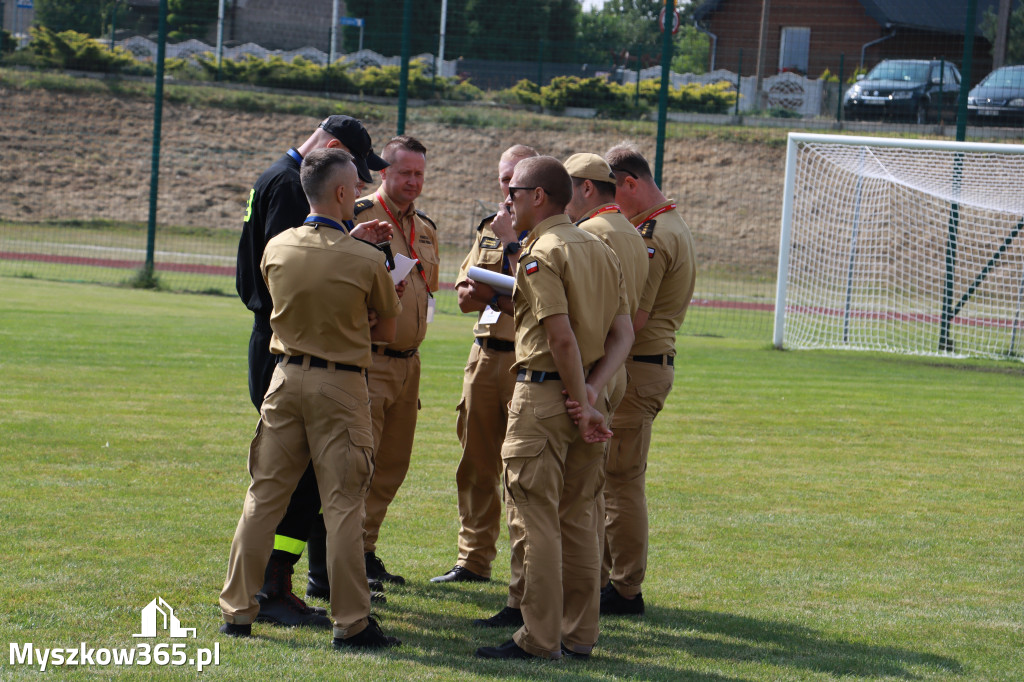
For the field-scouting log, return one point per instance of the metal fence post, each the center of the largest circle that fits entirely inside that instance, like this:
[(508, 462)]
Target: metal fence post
[(965, 76), (666, 65), (403, 83), (839, 105), (158, 109), (739, 83)]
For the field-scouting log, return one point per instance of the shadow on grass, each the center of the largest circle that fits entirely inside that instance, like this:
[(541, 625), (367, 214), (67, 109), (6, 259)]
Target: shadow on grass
[(668, 644)]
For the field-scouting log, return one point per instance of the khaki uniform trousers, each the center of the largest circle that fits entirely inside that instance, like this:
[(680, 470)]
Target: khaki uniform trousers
[(625, 500), (316, 414), (394, 406), (552, 479), (487, 388), (616, 389)]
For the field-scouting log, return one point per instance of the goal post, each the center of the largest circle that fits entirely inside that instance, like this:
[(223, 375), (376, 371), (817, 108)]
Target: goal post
[(906, 246)]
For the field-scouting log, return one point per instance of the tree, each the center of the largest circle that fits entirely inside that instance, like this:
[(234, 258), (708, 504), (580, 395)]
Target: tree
[(1014, 34), (476, 29), (84, 16), (692, 50), (190, 18), (625, 32)]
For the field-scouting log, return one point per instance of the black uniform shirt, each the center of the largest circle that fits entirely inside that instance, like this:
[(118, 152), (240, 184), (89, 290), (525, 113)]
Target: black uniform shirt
[(276, 203)]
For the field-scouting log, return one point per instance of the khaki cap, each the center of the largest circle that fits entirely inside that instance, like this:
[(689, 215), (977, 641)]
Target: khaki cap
[(589, 167)]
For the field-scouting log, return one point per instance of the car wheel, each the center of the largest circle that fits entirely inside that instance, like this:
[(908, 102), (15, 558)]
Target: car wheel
[(921, 113)]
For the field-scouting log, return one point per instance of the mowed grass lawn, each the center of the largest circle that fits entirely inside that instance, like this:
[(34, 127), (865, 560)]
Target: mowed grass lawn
[(814, 516)]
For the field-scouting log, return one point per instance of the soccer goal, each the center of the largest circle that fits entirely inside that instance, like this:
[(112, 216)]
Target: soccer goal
[(907, 246)]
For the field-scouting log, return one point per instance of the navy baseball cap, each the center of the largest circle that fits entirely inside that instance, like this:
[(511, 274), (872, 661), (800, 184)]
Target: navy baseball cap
[(351, 133)]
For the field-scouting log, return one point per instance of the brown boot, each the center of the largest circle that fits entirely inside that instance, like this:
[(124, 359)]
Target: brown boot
[(280, 606)]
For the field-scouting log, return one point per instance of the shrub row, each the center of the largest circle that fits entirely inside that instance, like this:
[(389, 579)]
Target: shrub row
[(72, 50), (619, 101)]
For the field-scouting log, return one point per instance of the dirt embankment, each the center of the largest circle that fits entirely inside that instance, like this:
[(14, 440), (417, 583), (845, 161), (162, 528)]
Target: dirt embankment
[(72, 156)]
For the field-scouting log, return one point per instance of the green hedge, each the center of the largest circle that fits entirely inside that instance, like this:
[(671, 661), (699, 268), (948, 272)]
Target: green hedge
[(72, 50), (620, 101)]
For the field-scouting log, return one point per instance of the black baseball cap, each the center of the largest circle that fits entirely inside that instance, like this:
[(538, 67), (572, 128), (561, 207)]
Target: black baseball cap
[(351, 133)]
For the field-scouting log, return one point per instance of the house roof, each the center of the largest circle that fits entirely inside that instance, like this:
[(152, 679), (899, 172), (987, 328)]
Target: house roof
[(946, 16)]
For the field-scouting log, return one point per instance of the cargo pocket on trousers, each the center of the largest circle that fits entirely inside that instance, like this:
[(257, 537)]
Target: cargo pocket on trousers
[(340, 396), (520, 463), (657, 389), (359, 472)]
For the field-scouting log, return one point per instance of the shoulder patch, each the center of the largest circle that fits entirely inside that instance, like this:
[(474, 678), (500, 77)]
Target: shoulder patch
[(532, 267), (485, 221), (423, 215), (650, 252), (362, 205), (490, 243), (646, 228)]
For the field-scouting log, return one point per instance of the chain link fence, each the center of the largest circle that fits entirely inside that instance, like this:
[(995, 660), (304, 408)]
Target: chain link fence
[(246, 80)]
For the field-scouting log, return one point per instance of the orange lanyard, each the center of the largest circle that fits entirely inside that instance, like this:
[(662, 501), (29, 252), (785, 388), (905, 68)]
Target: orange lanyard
[(607, 209), (411, 240), (657, 213)]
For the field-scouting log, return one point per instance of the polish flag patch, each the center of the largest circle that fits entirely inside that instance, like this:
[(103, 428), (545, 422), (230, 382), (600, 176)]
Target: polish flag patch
[(532, 267), (650, 252)]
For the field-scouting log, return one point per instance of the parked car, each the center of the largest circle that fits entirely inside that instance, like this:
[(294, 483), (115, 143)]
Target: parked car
[(999, 97), (914, 89)]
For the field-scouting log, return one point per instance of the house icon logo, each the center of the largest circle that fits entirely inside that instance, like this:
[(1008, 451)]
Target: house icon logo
[(170, 622)]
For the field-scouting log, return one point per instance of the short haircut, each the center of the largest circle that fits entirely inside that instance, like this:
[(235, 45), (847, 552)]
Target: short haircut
[(605, 190), (406, 142), (626, 158), (518, 152), (319, 169), (548, 173)]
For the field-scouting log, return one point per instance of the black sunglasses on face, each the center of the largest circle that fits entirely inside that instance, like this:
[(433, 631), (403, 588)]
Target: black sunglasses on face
[(512, 191), (629, 173)]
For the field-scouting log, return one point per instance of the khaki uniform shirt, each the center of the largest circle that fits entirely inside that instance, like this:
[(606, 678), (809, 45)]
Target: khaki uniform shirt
[(488, 253), (670, 278), (322, 281), (564, 270), (611, 227), (411, 225)]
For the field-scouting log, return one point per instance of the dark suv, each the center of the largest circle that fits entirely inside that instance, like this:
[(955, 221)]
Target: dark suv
[(913, 89)]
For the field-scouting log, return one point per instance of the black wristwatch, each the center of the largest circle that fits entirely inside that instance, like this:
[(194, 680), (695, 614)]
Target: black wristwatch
[(512, 248)]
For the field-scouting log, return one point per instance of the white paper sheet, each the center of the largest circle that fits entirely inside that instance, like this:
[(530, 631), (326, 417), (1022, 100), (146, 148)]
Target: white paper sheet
[(500, 283)]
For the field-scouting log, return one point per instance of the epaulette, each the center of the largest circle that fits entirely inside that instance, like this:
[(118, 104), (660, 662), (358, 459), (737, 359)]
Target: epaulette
[(363, 204), (423, 215), (480, 227), (646, 228)]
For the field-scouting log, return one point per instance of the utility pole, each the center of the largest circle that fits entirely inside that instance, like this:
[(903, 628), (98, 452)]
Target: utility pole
[(1002, 28), (762, 54)]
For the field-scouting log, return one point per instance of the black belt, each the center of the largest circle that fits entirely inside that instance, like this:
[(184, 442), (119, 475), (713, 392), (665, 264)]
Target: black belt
[(536, 376), (319, 363), (381, 350), (495, 344), (669, 360)]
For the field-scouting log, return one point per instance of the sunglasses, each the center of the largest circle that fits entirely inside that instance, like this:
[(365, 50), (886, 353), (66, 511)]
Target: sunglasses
[(512, 191), (627, 172)]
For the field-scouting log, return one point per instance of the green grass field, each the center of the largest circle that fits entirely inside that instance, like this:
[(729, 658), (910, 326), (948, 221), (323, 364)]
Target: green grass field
[(814, 516)]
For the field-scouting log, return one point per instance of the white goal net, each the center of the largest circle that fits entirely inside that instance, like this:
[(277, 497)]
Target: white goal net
[(908, 246)]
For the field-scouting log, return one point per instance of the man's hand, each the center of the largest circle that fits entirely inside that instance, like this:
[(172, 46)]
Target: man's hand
[(574, 409), (479, 291), (502, 227), (400, 288), (592, 425), (371, 316), (373, 231)]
